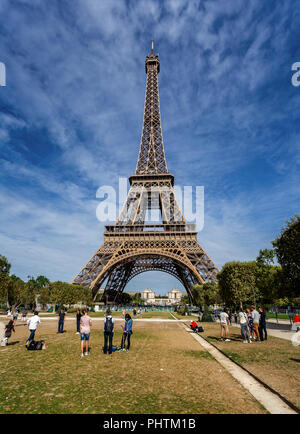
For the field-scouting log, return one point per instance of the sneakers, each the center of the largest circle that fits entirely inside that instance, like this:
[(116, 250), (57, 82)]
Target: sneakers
[(245, 342), (77, 333), (81, 355), (87, 354), (227, 340)]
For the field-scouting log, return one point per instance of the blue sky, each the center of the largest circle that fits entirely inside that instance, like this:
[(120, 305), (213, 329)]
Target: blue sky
[(72, 110)]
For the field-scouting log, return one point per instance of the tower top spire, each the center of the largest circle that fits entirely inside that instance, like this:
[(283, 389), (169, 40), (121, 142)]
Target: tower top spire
[(152, 158), (152, 47)]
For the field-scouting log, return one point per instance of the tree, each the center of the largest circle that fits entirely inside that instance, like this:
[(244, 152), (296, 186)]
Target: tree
[(237, 282), (4, 265), (287, 250), (66, 293), (268, 276), (44, 297), (137, 298)]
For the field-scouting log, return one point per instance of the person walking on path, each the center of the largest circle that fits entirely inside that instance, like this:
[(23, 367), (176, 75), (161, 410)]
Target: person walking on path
[(235, 318), (224, 321), (15, 315), (127, 332), (123, 313), (134, 313), (85, 330), (24, 315), (262, 328), (109, 322), (32, 325), (243, 317), (61, 321), (78, 317), (255, 317)]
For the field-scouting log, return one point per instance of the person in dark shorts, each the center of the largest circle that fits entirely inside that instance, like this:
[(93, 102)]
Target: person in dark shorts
[(109, 323), (61, 321)]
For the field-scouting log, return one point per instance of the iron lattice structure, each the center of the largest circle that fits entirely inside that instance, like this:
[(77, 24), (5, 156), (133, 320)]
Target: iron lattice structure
[(131, 246)]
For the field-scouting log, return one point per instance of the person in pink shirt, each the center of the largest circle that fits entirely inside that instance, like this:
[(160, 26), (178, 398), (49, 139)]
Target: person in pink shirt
[(85, 330)]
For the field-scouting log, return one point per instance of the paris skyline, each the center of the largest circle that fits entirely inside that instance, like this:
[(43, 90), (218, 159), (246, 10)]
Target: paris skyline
[(72, 112)]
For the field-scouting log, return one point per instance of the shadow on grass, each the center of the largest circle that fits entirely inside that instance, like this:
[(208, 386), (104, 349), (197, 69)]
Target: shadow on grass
[(12, 343), (217, 339), (295, 360)]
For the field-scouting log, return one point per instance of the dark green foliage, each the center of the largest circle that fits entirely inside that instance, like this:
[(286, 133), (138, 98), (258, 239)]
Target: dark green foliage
[(287, 250)]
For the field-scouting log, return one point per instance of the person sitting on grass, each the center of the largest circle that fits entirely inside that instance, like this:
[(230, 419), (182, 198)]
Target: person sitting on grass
[(85, 330), (194, 326)]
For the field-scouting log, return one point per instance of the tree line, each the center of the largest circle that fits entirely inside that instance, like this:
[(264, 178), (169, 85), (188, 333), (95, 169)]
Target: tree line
[(14, 292), (260, 281)]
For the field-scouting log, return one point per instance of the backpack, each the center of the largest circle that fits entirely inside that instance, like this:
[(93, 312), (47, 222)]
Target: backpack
[(35, 345), (109, 326)]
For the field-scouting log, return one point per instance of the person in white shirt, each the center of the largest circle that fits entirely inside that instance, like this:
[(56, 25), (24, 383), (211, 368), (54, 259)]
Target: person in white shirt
[(243, 317), (32, 324), (224, 320)]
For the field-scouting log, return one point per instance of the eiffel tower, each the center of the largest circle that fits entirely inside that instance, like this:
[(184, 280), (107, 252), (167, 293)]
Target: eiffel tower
[(132, 246)]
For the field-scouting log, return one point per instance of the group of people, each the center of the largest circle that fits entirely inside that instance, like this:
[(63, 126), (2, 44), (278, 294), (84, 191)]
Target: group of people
[(253, 324), (83, 327)]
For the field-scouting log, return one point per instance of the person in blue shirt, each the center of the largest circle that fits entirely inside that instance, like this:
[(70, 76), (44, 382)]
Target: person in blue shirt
[(61, 321), (127, 332)]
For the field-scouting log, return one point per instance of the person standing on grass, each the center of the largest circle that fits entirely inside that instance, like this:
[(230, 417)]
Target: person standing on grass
[(262, 325), (235, 318), (109, 323), (243, 317), (134, 313), (255, 317), (85, 330), (32, 324), (224, 321), (78, 316), (127, 332), (250, 324), (61, 321), (229, 316), (123, 313)]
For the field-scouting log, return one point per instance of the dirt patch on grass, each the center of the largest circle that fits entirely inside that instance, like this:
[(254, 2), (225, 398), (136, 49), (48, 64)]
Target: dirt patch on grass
[(165, 371)]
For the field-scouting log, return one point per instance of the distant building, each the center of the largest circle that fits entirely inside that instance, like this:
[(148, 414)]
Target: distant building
[(173, 297)]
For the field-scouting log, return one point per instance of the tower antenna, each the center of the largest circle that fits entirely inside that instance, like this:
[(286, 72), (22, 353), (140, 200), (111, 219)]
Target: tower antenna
[(152, 47)]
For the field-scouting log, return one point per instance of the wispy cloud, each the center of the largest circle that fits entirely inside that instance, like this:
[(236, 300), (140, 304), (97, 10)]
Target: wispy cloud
[(71, 117)]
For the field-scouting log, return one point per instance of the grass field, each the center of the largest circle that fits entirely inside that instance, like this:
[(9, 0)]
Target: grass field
[(145, 315), (166, 371), (275, 361)]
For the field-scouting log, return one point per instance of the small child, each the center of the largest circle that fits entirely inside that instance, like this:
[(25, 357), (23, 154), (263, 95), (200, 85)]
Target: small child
[(8, 330)]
